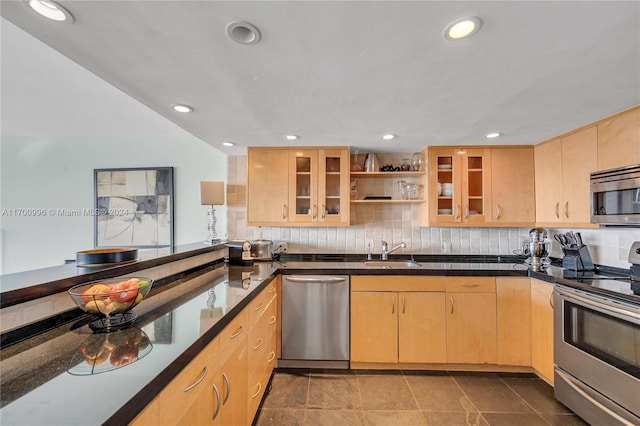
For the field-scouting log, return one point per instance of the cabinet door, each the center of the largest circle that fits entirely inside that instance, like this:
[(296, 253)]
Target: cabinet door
[(333, 186), (548, 178), (267, 186), (444, 189), (422, 329), (233, 387), (579, 159), (512, 185), (514, 321), (206, 408), (619, 140), (542, 329), (303, 185), (471, 328), (374, 327), (476, 185)]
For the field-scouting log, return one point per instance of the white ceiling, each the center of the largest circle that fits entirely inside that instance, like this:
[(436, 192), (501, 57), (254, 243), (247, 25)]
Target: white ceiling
[(345, 72)]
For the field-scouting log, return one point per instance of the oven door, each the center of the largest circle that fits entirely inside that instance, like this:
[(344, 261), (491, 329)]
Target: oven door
[(597, 342)]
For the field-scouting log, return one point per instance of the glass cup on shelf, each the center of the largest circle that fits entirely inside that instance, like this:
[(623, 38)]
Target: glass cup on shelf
[(417, 162)]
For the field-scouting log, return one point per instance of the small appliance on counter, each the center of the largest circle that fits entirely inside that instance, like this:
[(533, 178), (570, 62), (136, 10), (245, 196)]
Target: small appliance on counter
[(634, 260), (537, 247), (576, 253), (239, 253)]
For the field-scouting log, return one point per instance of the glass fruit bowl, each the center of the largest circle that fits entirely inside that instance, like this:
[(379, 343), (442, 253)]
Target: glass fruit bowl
[(111, 300)]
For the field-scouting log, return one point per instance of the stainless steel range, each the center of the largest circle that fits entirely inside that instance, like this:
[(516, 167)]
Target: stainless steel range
[(597, 347)]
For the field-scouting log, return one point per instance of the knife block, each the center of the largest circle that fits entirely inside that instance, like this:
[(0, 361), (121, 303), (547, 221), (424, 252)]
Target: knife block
[(577, 259)]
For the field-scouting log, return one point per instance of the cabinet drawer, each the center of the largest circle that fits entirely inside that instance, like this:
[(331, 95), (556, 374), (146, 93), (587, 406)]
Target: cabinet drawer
[(258, 382), (233, 335), (470, 284), (183, 390), (262, 337), (397, 283), (257, 306)]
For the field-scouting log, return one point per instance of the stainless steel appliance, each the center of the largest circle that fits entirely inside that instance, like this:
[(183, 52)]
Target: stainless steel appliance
[(239, 253), (597, 347), (315, 321), (537, 247), (615, 196)]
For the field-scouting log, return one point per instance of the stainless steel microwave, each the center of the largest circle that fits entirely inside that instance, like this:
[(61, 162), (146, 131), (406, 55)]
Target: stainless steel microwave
[(615, 196)]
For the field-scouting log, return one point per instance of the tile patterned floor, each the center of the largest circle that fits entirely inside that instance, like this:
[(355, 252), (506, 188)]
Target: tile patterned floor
[(389, 398)]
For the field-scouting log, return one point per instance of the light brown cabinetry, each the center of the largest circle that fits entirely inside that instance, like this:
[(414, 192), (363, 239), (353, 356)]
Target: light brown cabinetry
[(298, 187), (397, 326), (542, 329), (514, 320), (562, 173), (619, 140), (233, 371), (471, 320), (467, 172), (512, 186)]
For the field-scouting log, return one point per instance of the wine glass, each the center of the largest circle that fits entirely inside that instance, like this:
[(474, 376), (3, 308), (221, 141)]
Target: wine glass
[(417, 162)]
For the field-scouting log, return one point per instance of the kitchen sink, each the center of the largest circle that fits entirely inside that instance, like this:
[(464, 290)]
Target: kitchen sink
[(392, 264)]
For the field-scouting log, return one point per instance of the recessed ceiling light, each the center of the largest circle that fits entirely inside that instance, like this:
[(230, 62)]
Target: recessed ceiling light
[(388, 136), (51, 10), (462, 28), (291, 137), (492, 135), (182, 108), (228, 143), (243, 33)]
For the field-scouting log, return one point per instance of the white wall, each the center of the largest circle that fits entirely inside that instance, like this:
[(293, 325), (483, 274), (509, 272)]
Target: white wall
[(51, 144), (395, 223)]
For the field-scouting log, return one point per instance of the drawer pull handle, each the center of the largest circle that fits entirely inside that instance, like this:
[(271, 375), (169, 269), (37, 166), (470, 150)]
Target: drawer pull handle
[(323, 211), (272, 289), (404, 304), (197, 382), (470, 285), (498, 211), (451, 299), (566, 210), (272, 356), (259, 307), (551, 299), (259, 344), (284, 211), (466, 212), (215, 389), (558, 210), (236, 334), (257, 392), (272, 319), (393, 305), (226, 380)]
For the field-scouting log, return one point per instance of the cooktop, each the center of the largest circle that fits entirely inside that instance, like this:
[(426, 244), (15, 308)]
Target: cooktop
[(610, 282)]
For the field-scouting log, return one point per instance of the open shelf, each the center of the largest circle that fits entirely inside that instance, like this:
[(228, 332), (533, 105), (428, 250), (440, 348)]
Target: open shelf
[(387, 201), (385, 174)]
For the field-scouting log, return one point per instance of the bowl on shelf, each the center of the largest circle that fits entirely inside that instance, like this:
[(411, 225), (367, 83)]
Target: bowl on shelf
[(447, 189), (445, 211), (111, 300)]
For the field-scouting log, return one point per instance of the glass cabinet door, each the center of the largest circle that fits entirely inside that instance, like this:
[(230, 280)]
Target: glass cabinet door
[(448, 208), (333, 195), (475, 198), (303, 186)]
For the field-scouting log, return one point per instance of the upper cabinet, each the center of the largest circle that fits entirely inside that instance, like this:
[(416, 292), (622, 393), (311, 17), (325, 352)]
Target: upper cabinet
[(562, 175), (298, 187), (459, 186), (619, 140), (512, 186)]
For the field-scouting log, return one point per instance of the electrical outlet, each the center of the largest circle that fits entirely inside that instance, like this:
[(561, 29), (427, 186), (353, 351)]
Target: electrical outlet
[(283, 246)]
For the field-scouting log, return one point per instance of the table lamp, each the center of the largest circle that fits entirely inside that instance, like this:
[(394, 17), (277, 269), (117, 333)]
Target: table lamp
[(212, 194)]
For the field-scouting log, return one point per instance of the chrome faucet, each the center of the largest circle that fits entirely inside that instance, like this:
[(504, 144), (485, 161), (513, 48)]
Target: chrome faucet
[(386, 252)]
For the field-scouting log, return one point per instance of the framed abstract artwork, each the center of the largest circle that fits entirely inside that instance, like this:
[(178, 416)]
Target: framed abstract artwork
[(133, 207)]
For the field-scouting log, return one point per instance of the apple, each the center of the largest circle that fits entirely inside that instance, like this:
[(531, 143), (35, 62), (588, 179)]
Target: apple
[(123, 355), (124, 291)]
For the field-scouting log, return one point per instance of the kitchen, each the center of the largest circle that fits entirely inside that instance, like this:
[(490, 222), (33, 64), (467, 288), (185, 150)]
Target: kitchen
[(609, 246)]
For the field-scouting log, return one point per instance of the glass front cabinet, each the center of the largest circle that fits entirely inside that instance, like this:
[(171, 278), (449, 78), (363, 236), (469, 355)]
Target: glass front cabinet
[(459, 189), (319, 186)]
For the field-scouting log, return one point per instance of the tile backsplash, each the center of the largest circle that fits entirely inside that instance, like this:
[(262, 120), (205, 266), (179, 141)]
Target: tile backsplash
[(397, 223)]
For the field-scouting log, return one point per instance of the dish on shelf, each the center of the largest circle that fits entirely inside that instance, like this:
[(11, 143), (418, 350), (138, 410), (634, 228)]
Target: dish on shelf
[(444, 166), (445, 211)]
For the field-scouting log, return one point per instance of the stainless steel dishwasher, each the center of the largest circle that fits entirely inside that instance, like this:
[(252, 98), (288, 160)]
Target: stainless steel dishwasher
[(315, 321)]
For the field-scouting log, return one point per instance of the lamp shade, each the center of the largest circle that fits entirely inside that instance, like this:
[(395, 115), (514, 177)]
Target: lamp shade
[(211, 193)]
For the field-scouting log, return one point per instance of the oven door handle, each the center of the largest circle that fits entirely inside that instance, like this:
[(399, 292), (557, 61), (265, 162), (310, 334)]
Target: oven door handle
[(570, 381), (606, 307)]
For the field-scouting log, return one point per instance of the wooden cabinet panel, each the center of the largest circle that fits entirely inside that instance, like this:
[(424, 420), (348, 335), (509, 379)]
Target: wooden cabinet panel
[(512, 185), (619, 140), (422, 328), (233, 387), (514, 321), (548, 181), (267, 186), (542, 329), (579, 159), (471, 328), (207, 406), (150, 416), (470, 284), (374, 327)]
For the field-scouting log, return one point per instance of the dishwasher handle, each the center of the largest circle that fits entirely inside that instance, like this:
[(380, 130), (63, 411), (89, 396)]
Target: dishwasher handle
[(314, 279)]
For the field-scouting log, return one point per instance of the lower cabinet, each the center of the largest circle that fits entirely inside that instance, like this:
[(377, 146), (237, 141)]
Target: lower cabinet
[(224, 384), (471, 320), (542, 329), (514, 320)]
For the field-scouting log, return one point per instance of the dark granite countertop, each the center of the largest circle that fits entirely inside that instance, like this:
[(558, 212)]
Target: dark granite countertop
[(45, 376)]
